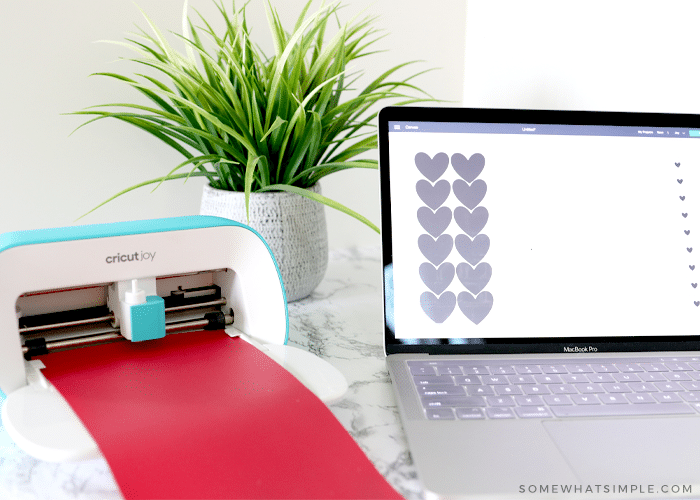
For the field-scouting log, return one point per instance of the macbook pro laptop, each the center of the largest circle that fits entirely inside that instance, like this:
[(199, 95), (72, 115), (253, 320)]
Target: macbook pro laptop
[(542, 300)]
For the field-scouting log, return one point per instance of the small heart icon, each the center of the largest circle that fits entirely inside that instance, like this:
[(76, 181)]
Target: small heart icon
[(685, 215), (472, 250), (468, 169), (475, 308), (433, 196), (469, 196), (678, 164), (435, 223), (471, 222), (432, 168), (687, 231), (435, 250), (438, 309), (694, 285), (682, 198), (697, 303), (690, 249), (437, 279), (680, 181), (476, 278)]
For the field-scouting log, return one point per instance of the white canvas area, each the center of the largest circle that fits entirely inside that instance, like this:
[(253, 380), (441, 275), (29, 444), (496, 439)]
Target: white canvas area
[(599, 253)]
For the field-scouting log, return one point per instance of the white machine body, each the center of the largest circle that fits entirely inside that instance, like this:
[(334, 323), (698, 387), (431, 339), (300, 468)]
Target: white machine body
[(50, 273)]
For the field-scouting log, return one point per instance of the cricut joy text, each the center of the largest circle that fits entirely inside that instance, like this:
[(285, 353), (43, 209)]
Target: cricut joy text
[(136, 256)]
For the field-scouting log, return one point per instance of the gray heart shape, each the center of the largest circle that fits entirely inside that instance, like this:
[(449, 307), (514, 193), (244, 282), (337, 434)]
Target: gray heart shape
[(471, 222), (476, 278), (435, 250), (472, 250), (438, 309), (433, 196), (437, 279), (432, 168), (469, 196), (435, 223), (475, 308), (468, 169)]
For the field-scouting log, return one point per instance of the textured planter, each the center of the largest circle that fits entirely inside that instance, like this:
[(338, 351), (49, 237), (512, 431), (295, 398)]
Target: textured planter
[(293, 226)]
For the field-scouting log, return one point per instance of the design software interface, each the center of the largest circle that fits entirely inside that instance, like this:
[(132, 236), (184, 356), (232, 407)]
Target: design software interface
[(510, 230)]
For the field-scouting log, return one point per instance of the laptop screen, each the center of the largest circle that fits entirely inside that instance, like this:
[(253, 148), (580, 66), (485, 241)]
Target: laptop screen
[(538, 231)]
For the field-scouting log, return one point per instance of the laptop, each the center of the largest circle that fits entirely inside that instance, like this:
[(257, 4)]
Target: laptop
[(542, 300)]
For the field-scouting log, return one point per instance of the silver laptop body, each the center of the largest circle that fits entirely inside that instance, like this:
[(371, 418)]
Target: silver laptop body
[(541, 300)]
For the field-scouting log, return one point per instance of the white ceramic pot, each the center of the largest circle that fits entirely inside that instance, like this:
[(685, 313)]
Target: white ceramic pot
[(293, 226)]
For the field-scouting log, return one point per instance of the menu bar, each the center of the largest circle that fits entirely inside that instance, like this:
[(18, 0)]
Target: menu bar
[(539, 129)]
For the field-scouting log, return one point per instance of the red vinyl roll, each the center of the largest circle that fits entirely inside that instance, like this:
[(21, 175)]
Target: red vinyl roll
[(200, 415)]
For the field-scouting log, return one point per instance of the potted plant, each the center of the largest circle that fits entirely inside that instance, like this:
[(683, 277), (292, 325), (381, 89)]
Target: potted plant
[(263, 130)]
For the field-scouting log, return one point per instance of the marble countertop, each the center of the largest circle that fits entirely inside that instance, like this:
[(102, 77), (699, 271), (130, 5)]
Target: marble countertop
[(340, 322)]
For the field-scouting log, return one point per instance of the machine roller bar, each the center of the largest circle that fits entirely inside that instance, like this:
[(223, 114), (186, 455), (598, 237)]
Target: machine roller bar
[(110, 317), (211, 321)]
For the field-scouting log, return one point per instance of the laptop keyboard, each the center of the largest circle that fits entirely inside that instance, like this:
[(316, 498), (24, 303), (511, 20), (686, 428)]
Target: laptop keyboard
[(469, 390)]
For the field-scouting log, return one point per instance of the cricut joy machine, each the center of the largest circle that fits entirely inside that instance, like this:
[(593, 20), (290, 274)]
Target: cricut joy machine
[(133, 281)]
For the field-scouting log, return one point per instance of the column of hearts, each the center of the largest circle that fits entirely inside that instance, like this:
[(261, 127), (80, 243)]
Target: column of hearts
[(472, 246), (688, 248), (435, 246)]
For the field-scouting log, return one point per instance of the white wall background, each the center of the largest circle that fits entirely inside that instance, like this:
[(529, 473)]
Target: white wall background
[(615, 55), (605, 55), (49, 178)]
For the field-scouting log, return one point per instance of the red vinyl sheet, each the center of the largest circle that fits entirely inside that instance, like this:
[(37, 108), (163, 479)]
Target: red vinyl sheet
[(203, 416)]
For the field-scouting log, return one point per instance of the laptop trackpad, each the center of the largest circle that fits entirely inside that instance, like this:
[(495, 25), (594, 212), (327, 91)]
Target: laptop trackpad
[(625, 451)]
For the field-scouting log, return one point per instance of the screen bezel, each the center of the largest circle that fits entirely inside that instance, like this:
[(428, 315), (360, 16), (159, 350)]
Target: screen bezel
[(511, 116)]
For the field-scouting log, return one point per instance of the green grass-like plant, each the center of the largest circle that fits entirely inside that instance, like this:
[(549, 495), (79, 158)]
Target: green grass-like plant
[(253, 123)]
